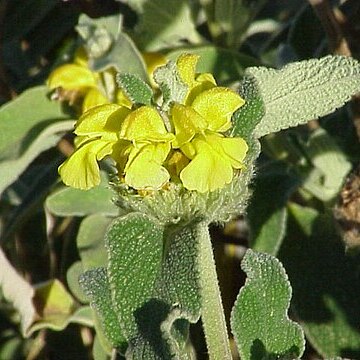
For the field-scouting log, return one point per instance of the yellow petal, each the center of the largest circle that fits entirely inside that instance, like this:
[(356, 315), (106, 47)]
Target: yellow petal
[(217, 106), (93, 97), (206, 78), (80, 140), (176, 164), (189, 150), (145, 124), (186, 65), (203, 82), (232, 149), (81, 58), (101, 119), (121, 150), (187, 122), (122, 99), (207, 171), (106, 150), (145, 170), (72, 77), (81, 169), (153, 60)]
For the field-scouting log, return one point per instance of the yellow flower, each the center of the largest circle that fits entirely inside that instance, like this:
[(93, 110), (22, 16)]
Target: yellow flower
[(187, 144), (136, 140), (150, 146), (97, 136), (213, 160), (186, 65), (199, 125), (76, 80)]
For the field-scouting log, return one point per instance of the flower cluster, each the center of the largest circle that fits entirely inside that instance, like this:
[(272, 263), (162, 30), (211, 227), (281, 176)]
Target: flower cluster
[(149, 146)]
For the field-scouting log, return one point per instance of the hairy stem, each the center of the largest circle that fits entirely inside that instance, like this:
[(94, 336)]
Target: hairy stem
[(212, 313)]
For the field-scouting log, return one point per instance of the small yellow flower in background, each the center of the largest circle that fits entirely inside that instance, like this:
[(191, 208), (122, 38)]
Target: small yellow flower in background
[(77, 81)]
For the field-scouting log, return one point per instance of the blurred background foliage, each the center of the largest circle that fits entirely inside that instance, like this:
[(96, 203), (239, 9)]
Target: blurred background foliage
[(305, 207)]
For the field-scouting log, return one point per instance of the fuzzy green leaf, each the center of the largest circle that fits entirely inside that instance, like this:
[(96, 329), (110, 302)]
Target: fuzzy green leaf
[(56, 308), (250, 114), (228, 20), (18, 120), (154, 285), (259, 319), (75, 202), (137, 90), (32, 188), (267, 211), (326, 289), (164, 22), (329, 166), (123, 56), (96, 286), (59, 322), (11, 169), (90, 241), (134, 245), (98, 34), (170, 84), (98, 352), (72, 279), (304, 90), (108, 46)]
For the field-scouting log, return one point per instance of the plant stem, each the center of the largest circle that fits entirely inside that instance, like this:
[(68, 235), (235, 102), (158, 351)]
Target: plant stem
[(113, 354), (212, 313)]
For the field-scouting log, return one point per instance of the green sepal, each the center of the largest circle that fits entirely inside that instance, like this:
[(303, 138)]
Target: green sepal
[(259, 318), (138, 91)]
